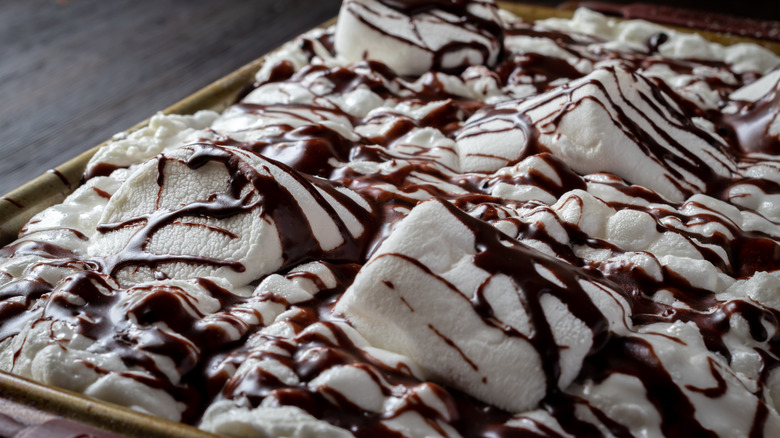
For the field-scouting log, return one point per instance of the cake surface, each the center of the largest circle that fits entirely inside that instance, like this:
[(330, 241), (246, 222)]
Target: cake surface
[(432, 219)]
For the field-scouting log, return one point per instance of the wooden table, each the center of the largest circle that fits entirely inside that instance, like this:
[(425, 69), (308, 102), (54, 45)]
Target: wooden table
[(73, 73)]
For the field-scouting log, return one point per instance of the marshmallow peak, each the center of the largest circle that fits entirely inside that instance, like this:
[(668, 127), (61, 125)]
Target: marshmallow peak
[(611, 120), (415, 37), (206, 209), (479, 311)]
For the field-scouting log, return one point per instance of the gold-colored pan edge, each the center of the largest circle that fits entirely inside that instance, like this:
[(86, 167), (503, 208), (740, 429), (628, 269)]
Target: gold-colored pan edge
[(22, 203)]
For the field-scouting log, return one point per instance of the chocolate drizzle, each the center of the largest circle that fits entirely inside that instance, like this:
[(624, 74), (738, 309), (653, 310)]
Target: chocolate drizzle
[(209, 333), (748, 128)]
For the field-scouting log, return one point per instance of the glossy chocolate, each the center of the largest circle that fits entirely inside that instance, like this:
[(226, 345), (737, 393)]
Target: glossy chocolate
[(207, 349)]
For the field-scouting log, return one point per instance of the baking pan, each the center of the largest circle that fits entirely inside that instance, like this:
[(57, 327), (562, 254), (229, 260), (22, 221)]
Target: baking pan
[(33, 403)]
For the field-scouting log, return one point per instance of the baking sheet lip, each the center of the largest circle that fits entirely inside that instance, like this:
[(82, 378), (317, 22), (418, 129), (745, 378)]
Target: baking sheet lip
[(94, 412), (51, 187)]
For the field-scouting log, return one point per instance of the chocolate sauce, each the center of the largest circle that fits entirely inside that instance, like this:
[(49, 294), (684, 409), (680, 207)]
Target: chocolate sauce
[(59, 175), (543, 69), (748, 128), (655, 42), (13, 202), (206, 349), (99, 169)]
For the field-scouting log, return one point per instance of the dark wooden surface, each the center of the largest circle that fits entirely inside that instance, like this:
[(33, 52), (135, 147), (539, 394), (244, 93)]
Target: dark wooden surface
[(74, 72)]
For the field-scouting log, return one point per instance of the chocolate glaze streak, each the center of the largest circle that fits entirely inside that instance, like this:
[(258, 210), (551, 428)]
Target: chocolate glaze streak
[(61, 177), (637, 358), (13, 202), (749, 127)]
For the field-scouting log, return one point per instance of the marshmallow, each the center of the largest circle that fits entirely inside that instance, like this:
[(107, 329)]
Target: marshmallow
[(413, 42), (610, 120), (431, 292)]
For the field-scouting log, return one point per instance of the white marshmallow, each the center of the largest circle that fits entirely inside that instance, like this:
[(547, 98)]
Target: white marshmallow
[(408, 44), (176, 229), (416, 296)]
